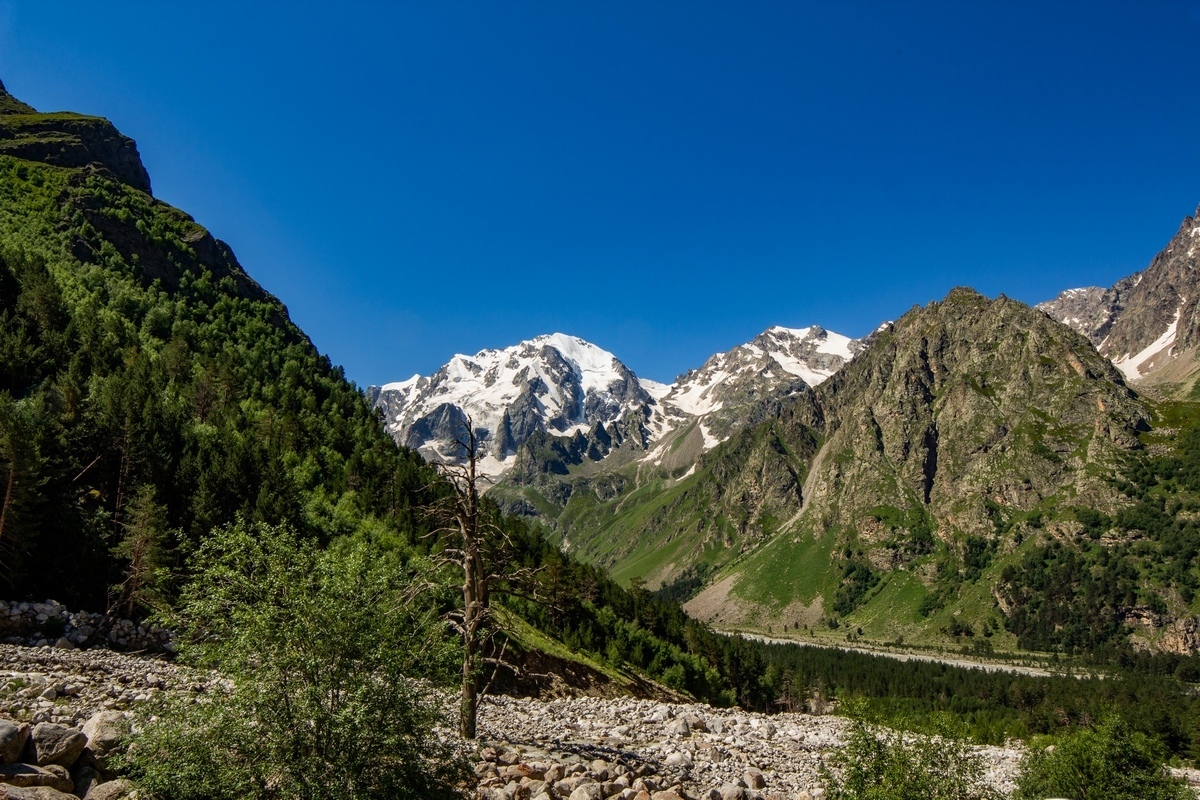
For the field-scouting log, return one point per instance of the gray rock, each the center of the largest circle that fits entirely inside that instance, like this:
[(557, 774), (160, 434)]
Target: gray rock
[(732, 791), (12, 740), (56, 744), (588, 791), (36, 793), (85, 777), (113, 790), (679, 727), (26, 775), (105, 731)]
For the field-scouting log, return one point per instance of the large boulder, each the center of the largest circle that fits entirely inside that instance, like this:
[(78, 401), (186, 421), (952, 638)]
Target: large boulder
[(119, 789), (105, 732), (34, 793), (26, 775), (13, 737), (55, 744)]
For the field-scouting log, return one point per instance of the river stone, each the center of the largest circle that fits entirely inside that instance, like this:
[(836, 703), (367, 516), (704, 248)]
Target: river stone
[(24, 775), (36, 793), (56, 744), (12, 740), (113, 790), (588, 791), (754, 779), (679, 727), (104, 732)]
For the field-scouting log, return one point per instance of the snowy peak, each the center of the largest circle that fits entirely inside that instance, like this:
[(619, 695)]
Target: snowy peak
[(554, 383), (562, 386), (776, 357), (733, 388)]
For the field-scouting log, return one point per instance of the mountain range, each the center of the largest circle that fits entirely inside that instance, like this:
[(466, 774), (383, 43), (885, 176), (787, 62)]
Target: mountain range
[(977, 471), (805, 478)]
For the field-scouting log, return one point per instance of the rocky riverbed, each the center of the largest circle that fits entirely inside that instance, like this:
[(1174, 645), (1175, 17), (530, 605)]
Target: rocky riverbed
[(581, 748), (625, 746)]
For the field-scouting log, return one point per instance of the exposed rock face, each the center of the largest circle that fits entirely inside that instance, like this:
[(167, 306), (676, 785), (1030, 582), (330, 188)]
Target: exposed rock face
[(671, 440), (555, 385), (959, 415), (1147, 320), (965, 403), (69, 140)]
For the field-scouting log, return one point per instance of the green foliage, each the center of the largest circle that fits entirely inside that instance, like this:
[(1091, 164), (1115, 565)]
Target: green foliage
[(994, 706), (142, 549), (857, 579), (879, 764), (1109, 762), (135, 351), (324, 649)]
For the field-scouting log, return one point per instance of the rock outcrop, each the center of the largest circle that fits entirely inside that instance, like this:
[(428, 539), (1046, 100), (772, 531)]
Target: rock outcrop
[(69, 140), (1148, 320)]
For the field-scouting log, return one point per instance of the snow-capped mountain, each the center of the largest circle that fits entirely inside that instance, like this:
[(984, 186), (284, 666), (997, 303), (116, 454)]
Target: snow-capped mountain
[(1145, 322), (562, 386), (723, 392), (556, 384)]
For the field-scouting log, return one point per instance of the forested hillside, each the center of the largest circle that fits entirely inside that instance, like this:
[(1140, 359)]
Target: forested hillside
[(151, 391), (145, 376)]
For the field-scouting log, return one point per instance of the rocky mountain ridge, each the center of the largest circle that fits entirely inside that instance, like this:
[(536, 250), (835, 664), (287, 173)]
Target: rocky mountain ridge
[(572, 398), (67, 139), (1148, 321)]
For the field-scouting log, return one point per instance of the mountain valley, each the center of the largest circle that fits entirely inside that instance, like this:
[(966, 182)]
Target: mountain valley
[(808, 481), (181, 466)]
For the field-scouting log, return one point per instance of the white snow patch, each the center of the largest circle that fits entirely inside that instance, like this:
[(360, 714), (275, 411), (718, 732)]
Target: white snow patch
[(698, 399), (1131, 366), (400, 386), (655, 389)]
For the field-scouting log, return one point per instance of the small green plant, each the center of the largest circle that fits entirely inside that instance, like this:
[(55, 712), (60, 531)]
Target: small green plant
[(324, 652), (1109, 761), (880, 764)]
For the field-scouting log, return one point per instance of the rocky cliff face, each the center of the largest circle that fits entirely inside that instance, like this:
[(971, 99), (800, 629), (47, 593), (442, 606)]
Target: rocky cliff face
[(556, 385), (1146, 321), (953, 424), (69, 140), (964, 406)]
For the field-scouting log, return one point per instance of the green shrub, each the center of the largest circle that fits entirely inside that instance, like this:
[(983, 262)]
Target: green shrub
[(1108, 761), (323, 650), (880, 764)]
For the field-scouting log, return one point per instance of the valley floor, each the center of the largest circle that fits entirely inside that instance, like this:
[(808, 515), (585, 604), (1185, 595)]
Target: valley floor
[(901, 654), (695, 747), (691, 748)]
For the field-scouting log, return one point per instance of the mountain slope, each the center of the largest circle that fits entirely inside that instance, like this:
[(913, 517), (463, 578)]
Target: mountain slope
[(1148, 321), (935, 451), (147, 380), (554, 384)]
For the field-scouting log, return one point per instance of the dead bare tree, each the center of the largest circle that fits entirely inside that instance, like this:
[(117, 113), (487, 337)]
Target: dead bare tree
[(470, 528)]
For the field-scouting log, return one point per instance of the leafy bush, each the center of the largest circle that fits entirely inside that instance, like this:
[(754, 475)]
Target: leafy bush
[(322, 649), (879, 764), (1109, 761)]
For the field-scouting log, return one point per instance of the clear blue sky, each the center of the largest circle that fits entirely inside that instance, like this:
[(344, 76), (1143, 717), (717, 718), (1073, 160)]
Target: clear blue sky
[(663, 179)]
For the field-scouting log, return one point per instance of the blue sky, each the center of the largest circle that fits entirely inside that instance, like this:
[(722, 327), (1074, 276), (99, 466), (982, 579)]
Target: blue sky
[(663, 179)]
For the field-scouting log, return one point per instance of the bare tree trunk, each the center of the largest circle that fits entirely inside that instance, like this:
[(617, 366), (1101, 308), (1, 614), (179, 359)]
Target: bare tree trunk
[(472, 609), (475, 600), (12, 473)]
